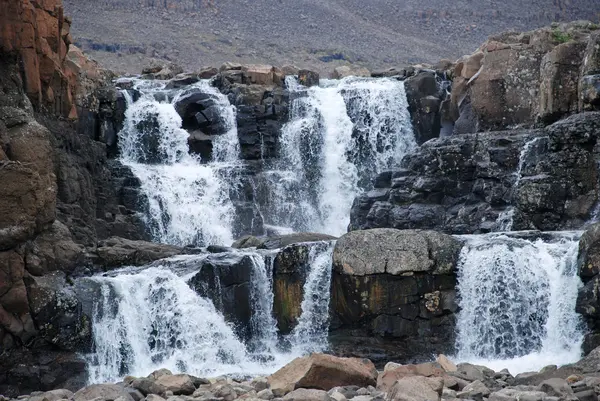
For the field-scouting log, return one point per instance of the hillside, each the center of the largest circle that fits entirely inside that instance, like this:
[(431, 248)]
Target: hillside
[(125, 34)]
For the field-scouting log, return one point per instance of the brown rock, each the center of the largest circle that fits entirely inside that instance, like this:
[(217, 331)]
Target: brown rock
[(386, 380), (308, 78), (258, 74), (350, 71), (324, 372), (446, 363), (104, 392), (304, 394), (416, 388), (471, 65), (179, 384), (116, 252)]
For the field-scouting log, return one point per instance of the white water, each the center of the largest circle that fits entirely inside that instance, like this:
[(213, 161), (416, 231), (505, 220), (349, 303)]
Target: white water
[(149, 318), (188, 202), (310, 335), (505, 218), (339, 136), (517, 302)]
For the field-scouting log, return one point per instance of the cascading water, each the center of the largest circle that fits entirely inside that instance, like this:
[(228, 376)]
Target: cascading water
[(517, 302), (505, 219), (188, 202), (310, 335), (150, 318), (339, 136)]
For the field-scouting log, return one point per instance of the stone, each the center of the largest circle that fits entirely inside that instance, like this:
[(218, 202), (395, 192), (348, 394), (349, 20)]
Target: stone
[(160, 372), (116, 252), (416, 388), (474, 391), (308, 78), (154, 397), (425, 96), (104, 392), (386, 380), (557, 387), (260, 383), (350, 71), (258, 74), (265, 394), (180, 384), (53, 395), (446, 363), (395, 252), (323, 372), (305, 394), (510, 394), (281, 241), (148, 386), (590, 92)]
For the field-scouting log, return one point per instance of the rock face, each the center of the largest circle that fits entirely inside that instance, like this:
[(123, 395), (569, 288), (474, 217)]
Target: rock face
[(398, 285), (462, 184), (588, 299)]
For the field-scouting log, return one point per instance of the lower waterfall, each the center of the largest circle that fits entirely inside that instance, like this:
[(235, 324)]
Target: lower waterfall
[(517, 300), (150, 318)]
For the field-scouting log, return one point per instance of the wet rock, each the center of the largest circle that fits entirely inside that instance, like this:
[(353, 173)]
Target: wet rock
[(281, 241), (350, 71), (308, 78), (116, 252), (320, 371), (425, 94)]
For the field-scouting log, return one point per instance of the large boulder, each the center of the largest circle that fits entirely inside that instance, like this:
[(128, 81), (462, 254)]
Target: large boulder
[(180, 384), (323, 372), (395, 252), (391, 375), (397, 285)]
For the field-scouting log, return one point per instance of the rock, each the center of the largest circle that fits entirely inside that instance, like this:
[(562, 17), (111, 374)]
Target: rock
[(260, 383), (510, 394), (180, 384), (386, 380), (425, 95), (323, 372), (350, 71), (446, 363), (557, 387), (182, 80), (265, 394), (308, 78), (590, 92), (148, 386), (258, 74), (154, 397), (416, 388), (160, 372), (116, 252), (225, 392), (474, 391), (290, 239), (135, 394), (105, 392), (304, 394), (53, 395), (395, 252), (472, 372)]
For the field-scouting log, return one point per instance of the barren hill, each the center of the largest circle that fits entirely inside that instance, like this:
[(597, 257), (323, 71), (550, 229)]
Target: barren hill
[(125, 34)]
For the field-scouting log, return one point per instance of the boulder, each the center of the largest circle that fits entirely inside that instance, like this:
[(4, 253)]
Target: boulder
[(391, 375), (104, 392), (350, 71), (474, 391), (320, 371), (557, 387), (511, 394), (416, 388), (395, 252), (425, 95), (180, 384), (308, 78), (590, 92), (116, 252), (148, 386), (446, 363), (257, 74), (53, 395), (305, 394)]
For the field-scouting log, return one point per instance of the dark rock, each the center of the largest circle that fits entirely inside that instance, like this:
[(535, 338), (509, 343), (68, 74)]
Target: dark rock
[(289, 239), (308, 78), (116, 252)]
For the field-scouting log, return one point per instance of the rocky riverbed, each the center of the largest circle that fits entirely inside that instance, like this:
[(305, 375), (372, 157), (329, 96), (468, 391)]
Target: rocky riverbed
[(321, 377)]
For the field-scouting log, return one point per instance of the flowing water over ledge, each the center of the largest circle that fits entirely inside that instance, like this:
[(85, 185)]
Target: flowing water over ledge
[(517, 297), (149, 318)]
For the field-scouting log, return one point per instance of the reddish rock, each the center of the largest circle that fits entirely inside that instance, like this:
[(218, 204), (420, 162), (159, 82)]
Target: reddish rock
[(323, 372)]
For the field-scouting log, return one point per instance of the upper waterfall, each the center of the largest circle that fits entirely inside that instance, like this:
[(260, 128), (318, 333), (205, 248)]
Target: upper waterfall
[(339, 136)]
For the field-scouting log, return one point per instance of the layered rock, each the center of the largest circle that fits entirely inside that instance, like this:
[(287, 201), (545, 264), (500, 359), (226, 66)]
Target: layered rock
[(395, 285), (546, 179)]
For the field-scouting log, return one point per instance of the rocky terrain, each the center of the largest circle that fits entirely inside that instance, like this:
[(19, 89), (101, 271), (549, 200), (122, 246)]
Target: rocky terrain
[(125, 35), (320, 377)]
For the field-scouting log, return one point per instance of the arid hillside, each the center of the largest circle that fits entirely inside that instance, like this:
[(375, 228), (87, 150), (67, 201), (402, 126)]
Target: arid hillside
[(125, 34)]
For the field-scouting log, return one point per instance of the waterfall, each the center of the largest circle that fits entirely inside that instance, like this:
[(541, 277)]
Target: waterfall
[(339, 136), (310, 335), (149, 318), (504, 221), (188, 201), (517, 301)]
